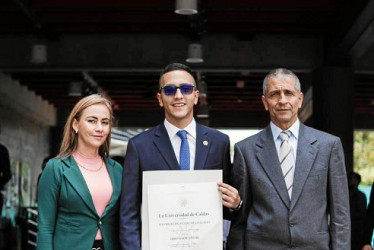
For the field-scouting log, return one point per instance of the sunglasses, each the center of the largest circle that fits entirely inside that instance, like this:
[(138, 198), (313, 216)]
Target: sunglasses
[(171, 89)]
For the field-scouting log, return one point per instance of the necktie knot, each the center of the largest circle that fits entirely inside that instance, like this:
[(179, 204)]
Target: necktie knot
[(182, 134), (284, 135)]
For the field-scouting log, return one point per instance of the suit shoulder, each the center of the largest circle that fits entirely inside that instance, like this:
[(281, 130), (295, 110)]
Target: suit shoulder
[(215, 133), (54, 163), (320, 135), (249, 140), (54, 168), (145, 135)]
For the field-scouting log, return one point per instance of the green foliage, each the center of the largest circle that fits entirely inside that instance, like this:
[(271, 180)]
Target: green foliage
[(363, 158)]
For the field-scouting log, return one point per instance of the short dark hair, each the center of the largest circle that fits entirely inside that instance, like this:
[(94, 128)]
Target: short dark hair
[(355, 176), (175, 66)]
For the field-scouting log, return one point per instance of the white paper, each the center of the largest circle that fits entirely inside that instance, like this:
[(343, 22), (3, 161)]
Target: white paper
[(182, 210)]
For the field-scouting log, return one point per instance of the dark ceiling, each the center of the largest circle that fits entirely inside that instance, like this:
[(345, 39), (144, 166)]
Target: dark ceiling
[(235, 16), (135, 90)]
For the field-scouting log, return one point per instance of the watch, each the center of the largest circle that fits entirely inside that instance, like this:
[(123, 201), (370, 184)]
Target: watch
[(239, 206)]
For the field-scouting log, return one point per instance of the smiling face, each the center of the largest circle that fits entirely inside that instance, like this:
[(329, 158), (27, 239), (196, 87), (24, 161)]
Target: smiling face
[(178, 108), (282, 100), (93, 128)]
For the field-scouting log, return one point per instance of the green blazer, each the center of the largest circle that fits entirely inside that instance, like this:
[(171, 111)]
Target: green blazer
[(67, 218)]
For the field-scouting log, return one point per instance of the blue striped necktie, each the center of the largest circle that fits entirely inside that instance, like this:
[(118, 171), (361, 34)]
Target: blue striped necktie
[(184, 156)]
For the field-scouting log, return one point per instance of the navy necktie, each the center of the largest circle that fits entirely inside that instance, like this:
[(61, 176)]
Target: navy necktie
[(184, 156)]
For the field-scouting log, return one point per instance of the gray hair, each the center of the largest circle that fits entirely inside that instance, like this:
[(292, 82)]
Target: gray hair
[(279, 72)]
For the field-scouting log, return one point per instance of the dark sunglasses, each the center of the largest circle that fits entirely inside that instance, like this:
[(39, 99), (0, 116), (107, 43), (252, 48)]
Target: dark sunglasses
[(171, 89)]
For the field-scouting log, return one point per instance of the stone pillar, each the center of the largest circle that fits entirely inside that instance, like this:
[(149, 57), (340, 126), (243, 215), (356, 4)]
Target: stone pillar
[(333, 106)]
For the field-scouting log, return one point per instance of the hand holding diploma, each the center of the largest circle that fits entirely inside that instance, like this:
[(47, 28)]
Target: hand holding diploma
[(230, 195)]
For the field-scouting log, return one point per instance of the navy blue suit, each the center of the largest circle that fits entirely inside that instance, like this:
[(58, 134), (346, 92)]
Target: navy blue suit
[(152, 150)]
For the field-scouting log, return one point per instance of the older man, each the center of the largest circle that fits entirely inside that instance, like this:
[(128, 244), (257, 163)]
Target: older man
[(292, 179)]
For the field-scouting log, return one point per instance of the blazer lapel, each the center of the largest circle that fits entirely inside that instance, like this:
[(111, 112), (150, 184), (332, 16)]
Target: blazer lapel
[(203, 143), (74, 176), (116, 184), (306, 154), (163, 144), (268, 158)]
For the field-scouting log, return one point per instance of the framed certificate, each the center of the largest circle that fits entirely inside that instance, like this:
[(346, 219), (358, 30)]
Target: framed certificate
[(182, 210)]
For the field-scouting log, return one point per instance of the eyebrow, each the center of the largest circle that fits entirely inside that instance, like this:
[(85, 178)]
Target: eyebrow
[(94, 117), (284, 90), (274, 91)]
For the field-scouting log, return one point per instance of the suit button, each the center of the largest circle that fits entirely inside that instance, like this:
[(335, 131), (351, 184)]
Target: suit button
[(291, 225), (100, 222)]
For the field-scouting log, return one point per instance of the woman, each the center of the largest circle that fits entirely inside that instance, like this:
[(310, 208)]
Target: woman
[(78, 192)]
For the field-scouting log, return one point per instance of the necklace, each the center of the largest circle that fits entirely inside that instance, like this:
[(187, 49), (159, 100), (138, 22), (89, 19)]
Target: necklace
[(92, 170)]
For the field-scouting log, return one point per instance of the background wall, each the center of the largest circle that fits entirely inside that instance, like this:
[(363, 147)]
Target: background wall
[(25, 123)]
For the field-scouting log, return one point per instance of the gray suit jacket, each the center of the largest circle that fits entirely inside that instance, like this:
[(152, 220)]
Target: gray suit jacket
[(316, 217)]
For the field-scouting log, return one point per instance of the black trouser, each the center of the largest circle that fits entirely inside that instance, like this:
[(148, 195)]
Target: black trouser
[(1, 201), (98, 245)]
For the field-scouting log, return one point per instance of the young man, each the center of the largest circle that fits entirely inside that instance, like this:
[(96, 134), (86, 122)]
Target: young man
[(159, 148), (292, 179)]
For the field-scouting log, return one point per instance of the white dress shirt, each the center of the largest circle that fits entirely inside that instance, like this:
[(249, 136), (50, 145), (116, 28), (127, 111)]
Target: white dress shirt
[(294, 129), (176, 140)]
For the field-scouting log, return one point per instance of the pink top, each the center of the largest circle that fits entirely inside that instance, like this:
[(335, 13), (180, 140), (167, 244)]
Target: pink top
[(98, 181)]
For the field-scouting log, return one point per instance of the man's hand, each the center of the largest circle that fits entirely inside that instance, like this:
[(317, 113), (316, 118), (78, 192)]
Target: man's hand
[(230, 196)]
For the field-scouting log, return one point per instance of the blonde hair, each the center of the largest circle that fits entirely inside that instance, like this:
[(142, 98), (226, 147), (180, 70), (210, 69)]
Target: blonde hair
[(70, 138)]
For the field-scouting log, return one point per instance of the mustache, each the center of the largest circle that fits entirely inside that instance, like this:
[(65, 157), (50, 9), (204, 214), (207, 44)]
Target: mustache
[(283, 106)]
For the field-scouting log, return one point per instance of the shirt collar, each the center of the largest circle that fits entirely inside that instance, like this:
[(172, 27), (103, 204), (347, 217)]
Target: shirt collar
[(294, 129), (172, 130)]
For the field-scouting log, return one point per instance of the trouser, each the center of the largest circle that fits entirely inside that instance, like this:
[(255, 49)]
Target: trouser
[(98, 245), (1, 202)]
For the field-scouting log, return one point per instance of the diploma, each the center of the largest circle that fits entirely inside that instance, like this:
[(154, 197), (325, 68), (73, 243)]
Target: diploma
[(182, 210)]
